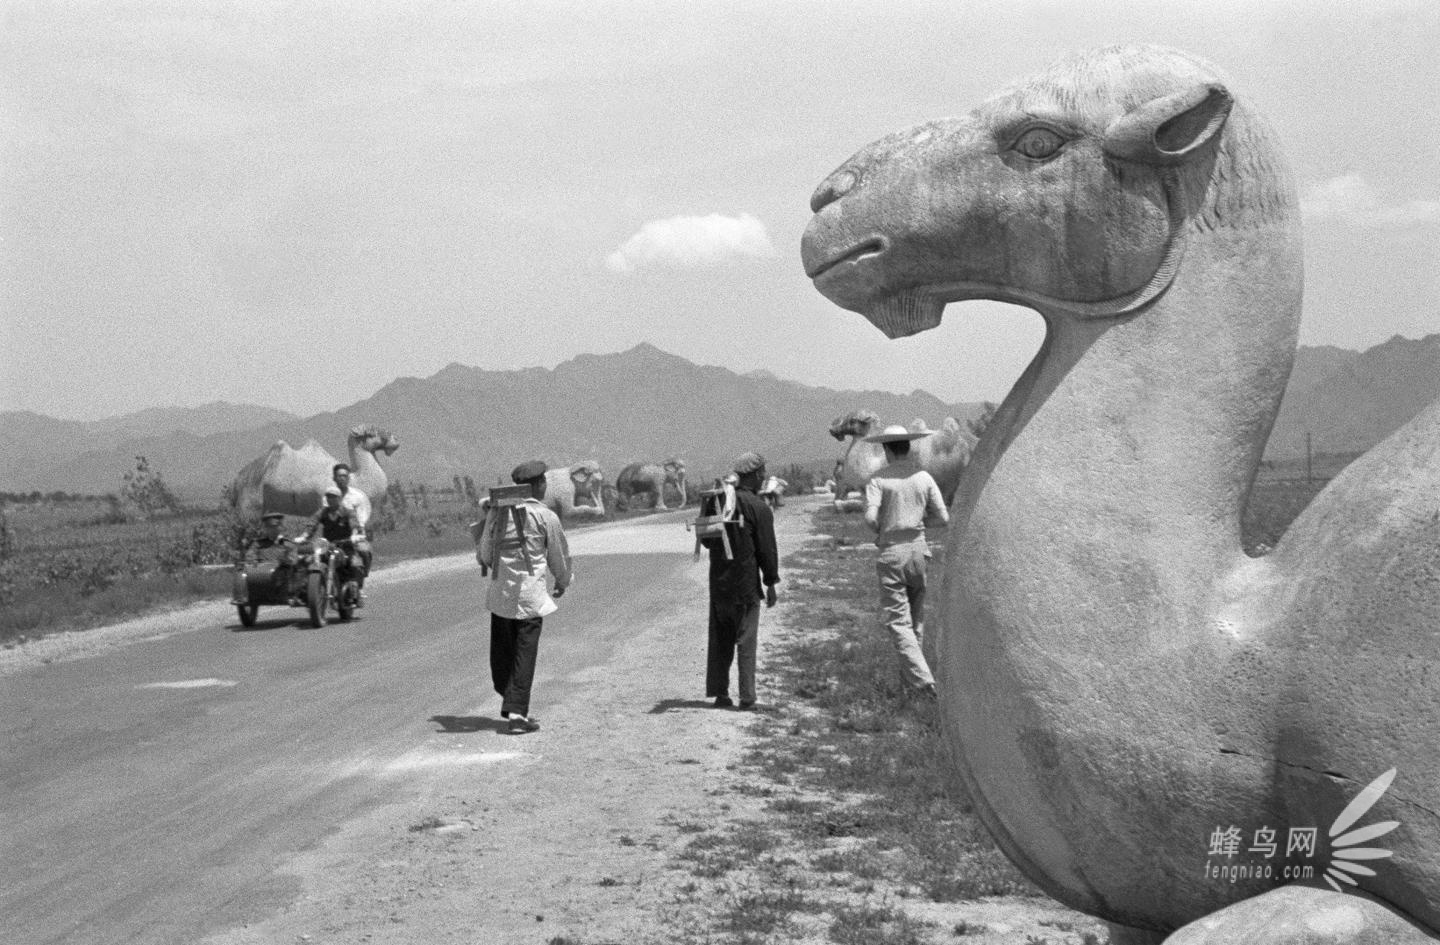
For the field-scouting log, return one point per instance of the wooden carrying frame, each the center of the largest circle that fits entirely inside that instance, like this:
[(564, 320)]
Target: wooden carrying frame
[(512, 498), (708, 526)]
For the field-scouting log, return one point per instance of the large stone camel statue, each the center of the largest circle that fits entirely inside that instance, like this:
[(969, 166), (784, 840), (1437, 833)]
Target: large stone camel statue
[(639, 479), (1158, 729), (576, 490), (293, 481), (943, 455)]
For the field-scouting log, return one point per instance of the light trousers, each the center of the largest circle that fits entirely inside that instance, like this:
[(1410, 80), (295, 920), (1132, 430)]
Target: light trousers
[(901, 569)]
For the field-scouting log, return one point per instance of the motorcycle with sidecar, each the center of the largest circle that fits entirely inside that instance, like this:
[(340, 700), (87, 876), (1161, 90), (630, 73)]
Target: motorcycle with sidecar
[(315, 575)]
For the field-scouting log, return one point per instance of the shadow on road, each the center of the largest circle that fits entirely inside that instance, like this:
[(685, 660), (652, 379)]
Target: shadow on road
[(274, 624), (669, 705), (470, 723)]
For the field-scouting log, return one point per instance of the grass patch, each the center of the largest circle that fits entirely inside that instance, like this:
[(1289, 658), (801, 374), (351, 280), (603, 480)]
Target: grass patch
[(865, 745), (38, 611), (876, 924)]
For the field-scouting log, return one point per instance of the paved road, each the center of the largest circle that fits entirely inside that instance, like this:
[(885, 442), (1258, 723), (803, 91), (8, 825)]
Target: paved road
[(148, 793)]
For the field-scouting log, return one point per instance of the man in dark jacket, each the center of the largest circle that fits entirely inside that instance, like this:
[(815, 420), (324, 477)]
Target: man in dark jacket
[(737, 583)]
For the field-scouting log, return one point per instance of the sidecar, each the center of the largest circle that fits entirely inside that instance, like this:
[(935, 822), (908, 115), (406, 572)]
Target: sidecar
[(302, 580)]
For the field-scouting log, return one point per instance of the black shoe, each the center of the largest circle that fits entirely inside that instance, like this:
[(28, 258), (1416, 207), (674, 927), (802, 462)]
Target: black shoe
[(747, 703), (723, 702), (523, 726)]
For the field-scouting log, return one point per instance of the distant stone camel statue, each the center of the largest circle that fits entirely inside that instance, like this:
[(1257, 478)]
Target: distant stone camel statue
[(293, 481), (1158, 729), (943, 455), (861, 459)]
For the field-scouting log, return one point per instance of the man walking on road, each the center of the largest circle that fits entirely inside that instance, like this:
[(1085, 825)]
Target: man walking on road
[(738, 579), (519, 597), (900, 499)]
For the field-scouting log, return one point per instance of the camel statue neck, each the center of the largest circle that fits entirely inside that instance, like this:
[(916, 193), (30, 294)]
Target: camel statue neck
[(1126, 450), (364, 468), (1161, 416)]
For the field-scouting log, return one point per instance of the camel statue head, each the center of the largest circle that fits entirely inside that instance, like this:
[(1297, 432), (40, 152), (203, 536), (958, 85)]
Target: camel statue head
[(1096, 167), (372, 439), (856, 423)]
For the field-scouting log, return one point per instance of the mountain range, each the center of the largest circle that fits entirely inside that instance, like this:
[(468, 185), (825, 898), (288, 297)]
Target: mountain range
[(640, 404)]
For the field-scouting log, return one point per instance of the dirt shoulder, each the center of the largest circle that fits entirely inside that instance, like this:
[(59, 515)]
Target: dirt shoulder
[(593, 830)]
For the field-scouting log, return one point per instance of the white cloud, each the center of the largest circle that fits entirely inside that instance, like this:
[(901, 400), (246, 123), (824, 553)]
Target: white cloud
[(691, 242), (1350, 198)]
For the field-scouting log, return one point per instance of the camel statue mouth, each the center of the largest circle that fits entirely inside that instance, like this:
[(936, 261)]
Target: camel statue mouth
[(871, 248)]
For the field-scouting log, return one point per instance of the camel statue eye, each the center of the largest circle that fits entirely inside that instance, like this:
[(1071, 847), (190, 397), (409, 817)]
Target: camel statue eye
[(1038, 143)]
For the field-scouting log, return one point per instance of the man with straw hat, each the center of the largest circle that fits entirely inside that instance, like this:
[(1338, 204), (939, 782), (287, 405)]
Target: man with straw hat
[(900, 500)]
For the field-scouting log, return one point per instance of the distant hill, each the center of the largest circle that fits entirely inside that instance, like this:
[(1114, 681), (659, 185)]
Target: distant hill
[(1350, 400), (641, 404), (39, 445)]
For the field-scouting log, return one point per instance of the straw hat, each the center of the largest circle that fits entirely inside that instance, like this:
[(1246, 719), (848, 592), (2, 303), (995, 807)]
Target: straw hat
[(896, 432)]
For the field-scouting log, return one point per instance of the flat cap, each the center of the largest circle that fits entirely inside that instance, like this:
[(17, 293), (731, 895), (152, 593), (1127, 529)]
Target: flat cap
[(748, 463), (529, 471), (333, 490)]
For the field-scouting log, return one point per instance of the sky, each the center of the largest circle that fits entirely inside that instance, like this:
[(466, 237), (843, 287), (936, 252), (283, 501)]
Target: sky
[(293, 203)]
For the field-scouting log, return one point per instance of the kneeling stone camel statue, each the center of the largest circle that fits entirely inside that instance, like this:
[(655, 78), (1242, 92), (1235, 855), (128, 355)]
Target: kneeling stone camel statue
[(293, 481), (1159, 730)]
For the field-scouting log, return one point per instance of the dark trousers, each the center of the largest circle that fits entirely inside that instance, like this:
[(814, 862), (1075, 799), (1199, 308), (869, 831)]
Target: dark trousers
[(734, 628), (513, 648)]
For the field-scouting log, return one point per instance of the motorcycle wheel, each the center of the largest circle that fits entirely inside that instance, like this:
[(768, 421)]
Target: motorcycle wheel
[(247, 614), (315, 599), (346, 601)]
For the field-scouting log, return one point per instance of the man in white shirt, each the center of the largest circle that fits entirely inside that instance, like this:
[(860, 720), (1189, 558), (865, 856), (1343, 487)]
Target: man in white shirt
[(900, 499), (519, 597), (359, 505)]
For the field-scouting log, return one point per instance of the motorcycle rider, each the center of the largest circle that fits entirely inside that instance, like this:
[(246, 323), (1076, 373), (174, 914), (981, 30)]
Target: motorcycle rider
[(334, 522), (359, 504)]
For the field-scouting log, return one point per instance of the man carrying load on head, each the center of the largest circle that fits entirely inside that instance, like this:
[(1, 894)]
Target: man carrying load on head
[(900, 499)]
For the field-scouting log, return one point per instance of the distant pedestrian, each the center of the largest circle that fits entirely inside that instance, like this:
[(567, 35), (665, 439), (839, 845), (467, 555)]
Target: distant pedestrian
[(739, 578), (771, 491), (519, 598), (900, 499)]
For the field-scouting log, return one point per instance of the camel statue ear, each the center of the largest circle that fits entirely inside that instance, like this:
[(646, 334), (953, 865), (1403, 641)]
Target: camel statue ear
[(1170, 129)]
